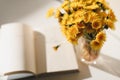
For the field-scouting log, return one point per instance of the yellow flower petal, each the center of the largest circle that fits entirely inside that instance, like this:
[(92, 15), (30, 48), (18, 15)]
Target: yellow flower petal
[(111, 15), (96, 24), (96, 45), (58, 13), (110, 24), (73, 31), (93, 6), (56, 47), (50, 12), (101, 37), (73, 40)]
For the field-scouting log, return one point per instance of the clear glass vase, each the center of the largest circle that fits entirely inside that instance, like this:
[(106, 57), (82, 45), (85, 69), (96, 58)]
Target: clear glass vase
[(85, 52)]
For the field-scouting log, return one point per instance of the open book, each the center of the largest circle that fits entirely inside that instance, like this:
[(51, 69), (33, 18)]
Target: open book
[(24, 51)]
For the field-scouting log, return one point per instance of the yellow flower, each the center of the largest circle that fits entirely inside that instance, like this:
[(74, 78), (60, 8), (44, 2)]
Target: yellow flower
[(64, 30), (73, 31), (93, 6), (103, 14), (78, 16), (96, 24), (65, 3), (66, 16), (70, 20), (63, 22), (110, 24), (74, 5), (111, 15), (96, 45), (77, 19), (102, 1), (50, 12), (80, 25), (93, 16), (75, 0), (64, 19), (73, 40), (89, 1), (66, 8), (56, 47), (101, 37), (87, 18), (58, 13)]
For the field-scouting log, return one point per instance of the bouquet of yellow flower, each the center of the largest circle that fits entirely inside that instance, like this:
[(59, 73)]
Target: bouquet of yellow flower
[(85, 18)]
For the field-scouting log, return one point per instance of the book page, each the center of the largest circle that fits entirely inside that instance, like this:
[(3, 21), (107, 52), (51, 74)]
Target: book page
[(40, 52), (29, 48), (64, 59), (16, 48)]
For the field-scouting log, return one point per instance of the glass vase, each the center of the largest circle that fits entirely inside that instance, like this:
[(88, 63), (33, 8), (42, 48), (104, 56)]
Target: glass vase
[(85, 52)]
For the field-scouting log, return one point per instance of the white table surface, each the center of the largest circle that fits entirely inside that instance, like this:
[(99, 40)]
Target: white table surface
[(33, 12)]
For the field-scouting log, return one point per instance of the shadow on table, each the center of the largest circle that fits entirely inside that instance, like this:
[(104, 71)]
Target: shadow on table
[(108, 64), (69, 75), (83, 74)]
